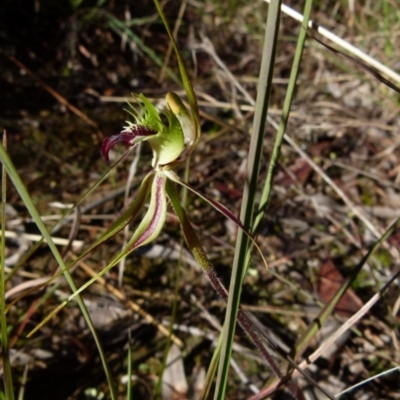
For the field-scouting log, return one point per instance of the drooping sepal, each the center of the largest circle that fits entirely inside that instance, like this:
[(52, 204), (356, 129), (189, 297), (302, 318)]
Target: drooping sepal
[(171, 175), (152, 223)]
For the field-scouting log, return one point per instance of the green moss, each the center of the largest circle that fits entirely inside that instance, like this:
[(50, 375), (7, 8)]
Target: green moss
[(384, 257), (367, 199)]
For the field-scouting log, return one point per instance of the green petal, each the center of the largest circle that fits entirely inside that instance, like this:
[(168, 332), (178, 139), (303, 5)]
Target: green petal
[(178, 108), (169, 144)]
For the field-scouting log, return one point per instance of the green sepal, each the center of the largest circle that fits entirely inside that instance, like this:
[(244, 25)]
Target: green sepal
[(169, 144), (178, 108), (125, 218), (148, 229), (152, 223)]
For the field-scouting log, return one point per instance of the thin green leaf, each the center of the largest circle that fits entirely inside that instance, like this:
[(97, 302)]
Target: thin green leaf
[(15, 178), (212, 370), (187, 84), (148, 229), (121, 29), (327, 310), (5, 351), (242, 257)]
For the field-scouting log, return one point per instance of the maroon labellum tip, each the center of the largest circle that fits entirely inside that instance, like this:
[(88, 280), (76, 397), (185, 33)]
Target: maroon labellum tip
[(127, 137)]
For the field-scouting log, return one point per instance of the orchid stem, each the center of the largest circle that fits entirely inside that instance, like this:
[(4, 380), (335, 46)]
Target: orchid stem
[(199, 254)]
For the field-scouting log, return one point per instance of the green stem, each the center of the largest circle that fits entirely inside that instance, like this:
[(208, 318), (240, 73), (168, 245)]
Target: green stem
[(242, 255), (14, 176), (199, 254), (7, 375)]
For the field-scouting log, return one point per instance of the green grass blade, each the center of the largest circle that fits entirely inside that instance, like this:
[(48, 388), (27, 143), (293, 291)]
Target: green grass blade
[(129, 372), (242, 243), (327, 310), (32, 250), (187, 84), (5, 353), (15, 178), (120, 28), (212, 370), (285, 114)]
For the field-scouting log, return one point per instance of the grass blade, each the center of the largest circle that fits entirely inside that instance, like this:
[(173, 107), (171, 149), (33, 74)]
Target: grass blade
[(14, 176), (242, 243), (184, 74), (316, 325), (7, 375), (285, 115)]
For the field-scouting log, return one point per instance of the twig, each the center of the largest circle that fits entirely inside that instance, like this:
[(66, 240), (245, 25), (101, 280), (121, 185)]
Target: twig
[(62, 100), (132, 305), (342, 43)]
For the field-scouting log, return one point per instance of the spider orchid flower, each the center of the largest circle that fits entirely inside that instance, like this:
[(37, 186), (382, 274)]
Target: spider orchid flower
[(172, 143)]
